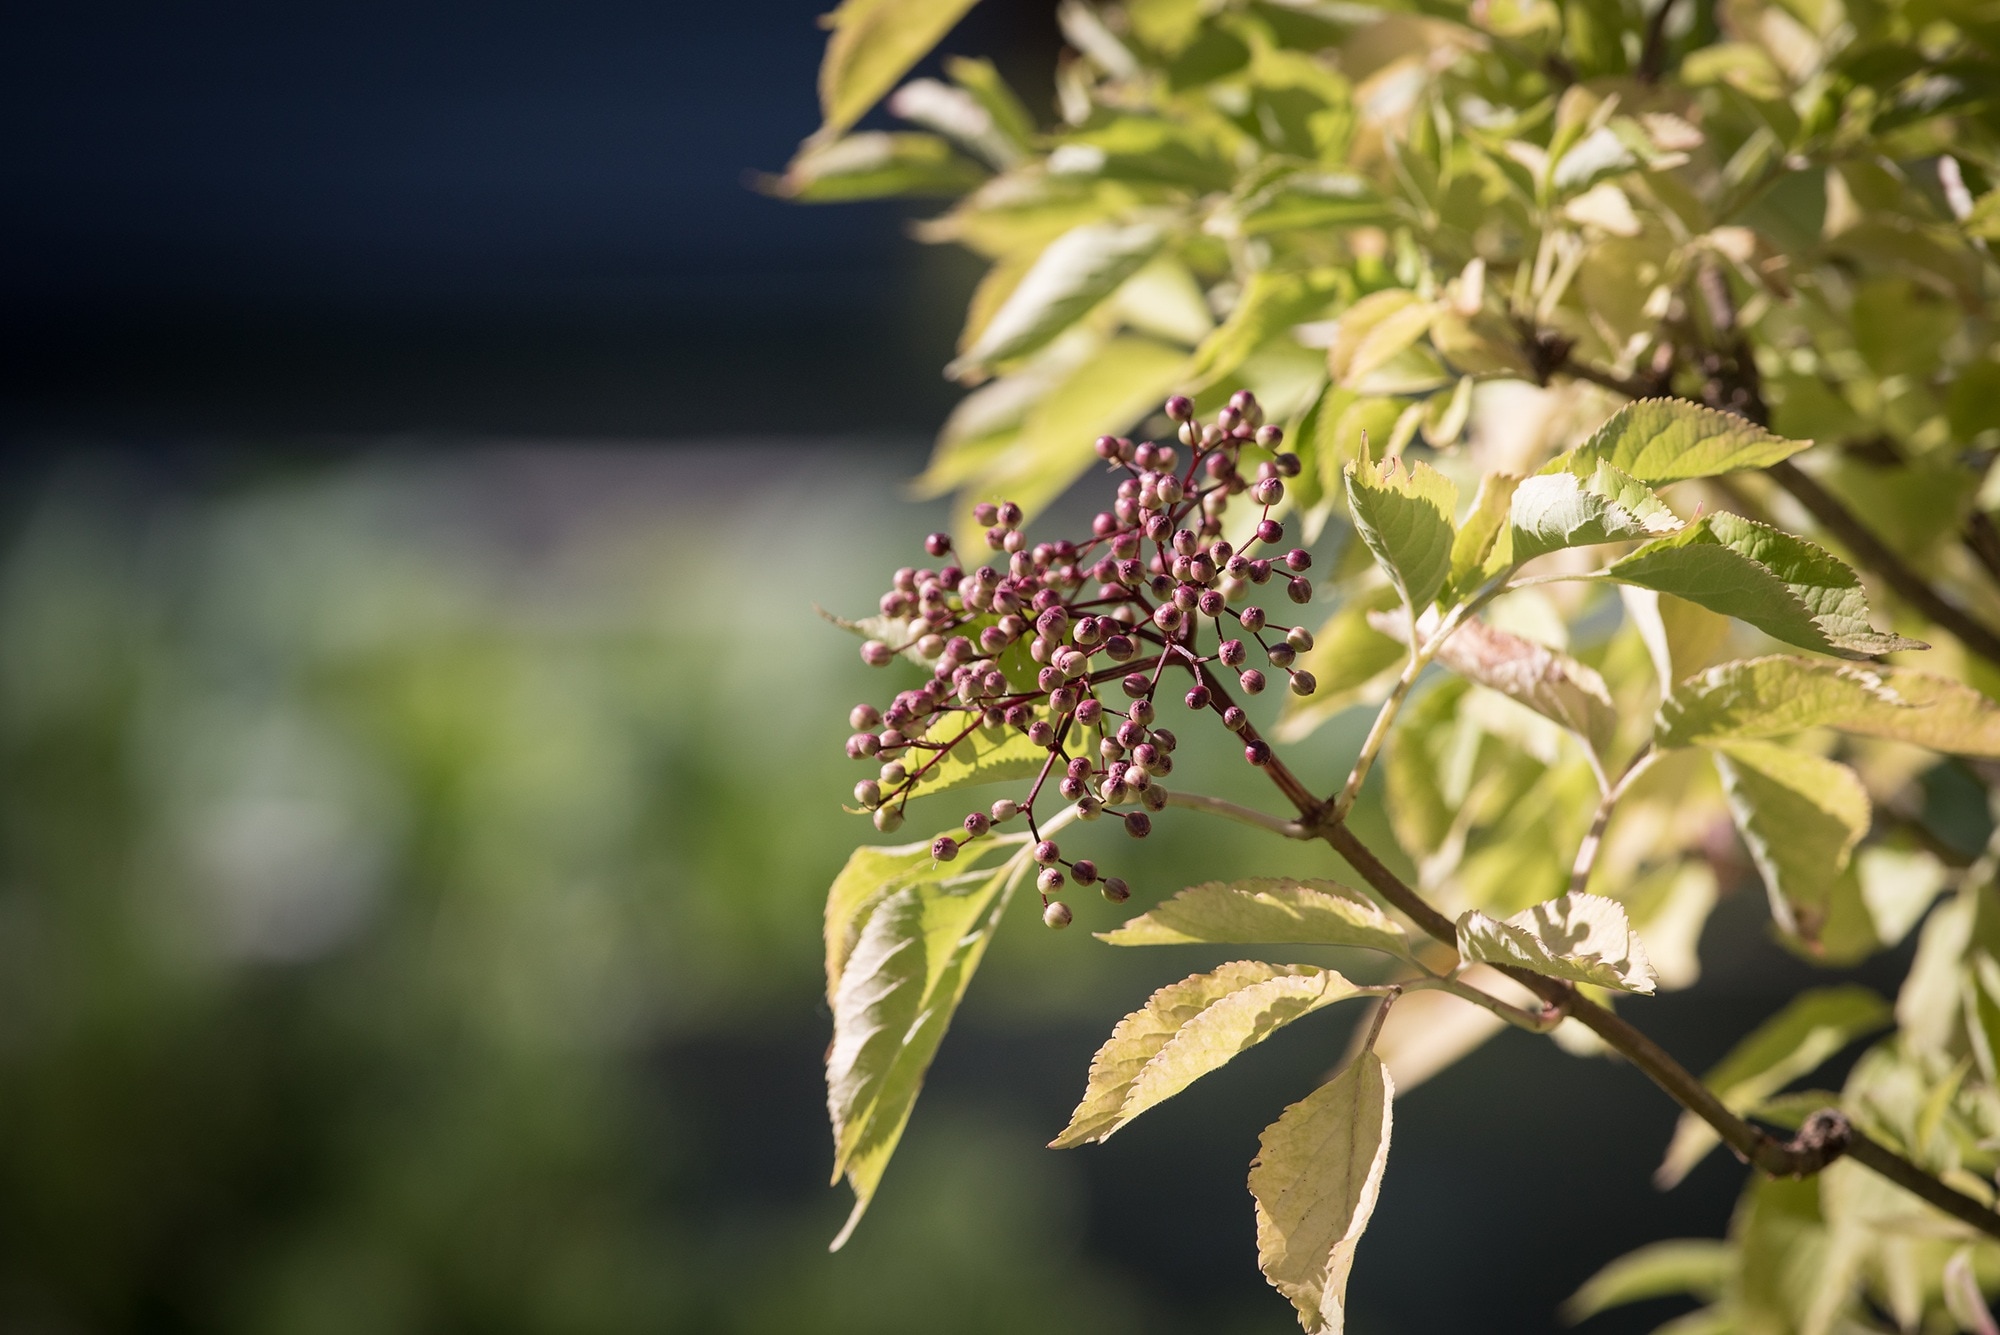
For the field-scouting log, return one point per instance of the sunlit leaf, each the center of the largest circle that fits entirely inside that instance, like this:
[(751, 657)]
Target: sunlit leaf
[(1778, 695), (1801, 815), (874, 43), (1316, 1177), (1405, 517), (1784, 586), (1552, 511), (872, 165), (914, 951), (1078, 269), (1667, 440), (978, 754), (1583, 938), (1482, 546), (1189, 1029), (1263, 911), (1374, 330), (1814, 1026)]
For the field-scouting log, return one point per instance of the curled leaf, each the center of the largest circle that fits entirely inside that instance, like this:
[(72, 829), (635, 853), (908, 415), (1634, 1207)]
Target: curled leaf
[(1581, 937)]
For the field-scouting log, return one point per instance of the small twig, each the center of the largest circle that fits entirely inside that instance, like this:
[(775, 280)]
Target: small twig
[(1216, 806), (1381, 1014), (1586, 853)]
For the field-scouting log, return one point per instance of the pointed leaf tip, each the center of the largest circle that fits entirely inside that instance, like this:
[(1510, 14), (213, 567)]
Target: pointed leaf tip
[(1315, 1180)]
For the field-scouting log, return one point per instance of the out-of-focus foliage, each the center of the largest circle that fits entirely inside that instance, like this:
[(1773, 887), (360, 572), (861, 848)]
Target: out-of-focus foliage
[(392, 935), (1460, 237)]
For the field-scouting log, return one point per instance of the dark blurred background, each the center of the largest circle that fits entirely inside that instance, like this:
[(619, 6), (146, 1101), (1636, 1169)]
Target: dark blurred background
[(419, 760)]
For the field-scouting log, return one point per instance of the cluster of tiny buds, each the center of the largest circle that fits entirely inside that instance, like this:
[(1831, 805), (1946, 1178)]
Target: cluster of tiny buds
[(1050, 642)]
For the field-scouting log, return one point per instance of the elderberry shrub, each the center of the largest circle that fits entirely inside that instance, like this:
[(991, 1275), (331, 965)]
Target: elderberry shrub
[(1068, 643)]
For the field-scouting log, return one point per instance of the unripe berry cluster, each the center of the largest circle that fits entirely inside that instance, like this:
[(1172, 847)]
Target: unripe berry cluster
[(1068, 642)]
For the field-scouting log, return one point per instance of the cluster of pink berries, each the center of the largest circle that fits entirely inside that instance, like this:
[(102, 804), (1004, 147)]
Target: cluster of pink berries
[(1025, 648)]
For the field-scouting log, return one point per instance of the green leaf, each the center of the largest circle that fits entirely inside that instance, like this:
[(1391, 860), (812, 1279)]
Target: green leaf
[(1374, 331), (1316, 1177), (1668, 440), (1552, 511), (985, 755), (1118, 384), (874, 43), (1778, 695), (1552, 684), (1077, 270), (1313, 200), (1405, 518), (1189, 1029), (872, 165), (1264, 911), (1272, 302), (1584, 938), (1784, 586), (899, 955), (978, 77), (1801, 816), (1699, 1266), (1810, 1029), (1483, 546)]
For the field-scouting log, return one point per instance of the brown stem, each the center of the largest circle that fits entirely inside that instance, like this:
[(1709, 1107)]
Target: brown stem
[(1653, 55), (1823, 1139)]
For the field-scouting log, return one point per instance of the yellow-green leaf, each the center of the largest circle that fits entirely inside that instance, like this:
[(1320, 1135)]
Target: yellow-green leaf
[(1188, 1029), (1786, 587), (1316, 1178), (1583, 938), (1778, 695), (1667, 440), (1801, 816), (905, 956), (1810, 1029), (872, 165), (1077, 270), (985, 755), (1264, 911), (1376, 330), (1553, 511), (1405, 517), (874, 43)]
